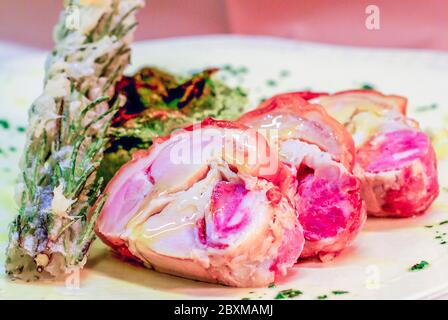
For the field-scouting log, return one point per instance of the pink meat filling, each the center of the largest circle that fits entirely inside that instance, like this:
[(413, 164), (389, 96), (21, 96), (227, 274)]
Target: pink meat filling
[(393, 150), (227, 219), (226, 199), (325, 205), (415, 196), (287, 253), (409, 152)]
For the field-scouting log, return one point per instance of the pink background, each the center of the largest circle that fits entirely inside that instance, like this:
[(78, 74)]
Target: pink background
[(409, 23)]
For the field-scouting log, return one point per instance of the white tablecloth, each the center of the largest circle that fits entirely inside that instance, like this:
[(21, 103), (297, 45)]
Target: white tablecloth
[(11, 50)]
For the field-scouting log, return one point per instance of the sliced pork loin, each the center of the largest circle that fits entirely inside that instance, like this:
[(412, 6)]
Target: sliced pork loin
[(319, 153), (203, 204), (395, 159)]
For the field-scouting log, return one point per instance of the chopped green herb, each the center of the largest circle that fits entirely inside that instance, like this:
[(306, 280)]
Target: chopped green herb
[(234, 70), (367, 86), (429, 226), (21, 129), (272, 285), (4, 124), (243, 70), (271, 83), (322, 297), (227, 67), (438, 237), (284, 73), (443, 222), (338, 292), (288, 293), (426, 108), (419, 266), (245, 298), (443, 242), (12, 149)]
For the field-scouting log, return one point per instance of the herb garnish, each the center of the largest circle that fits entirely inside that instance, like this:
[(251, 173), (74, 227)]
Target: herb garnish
[(338, 292), (443, 222), (21, 129), (288, 293), (284, 73), (419, 266), (322, 297), (235, 70), (271, 83), (272, 285), (60, 161), (426, 108), (367, 86), (4, 124)]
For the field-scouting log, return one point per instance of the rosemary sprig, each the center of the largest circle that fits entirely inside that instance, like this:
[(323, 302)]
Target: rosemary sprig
[(69, 122)]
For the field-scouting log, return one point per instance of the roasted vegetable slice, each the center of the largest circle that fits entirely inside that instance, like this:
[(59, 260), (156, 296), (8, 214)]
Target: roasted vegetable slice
[(159, 102)]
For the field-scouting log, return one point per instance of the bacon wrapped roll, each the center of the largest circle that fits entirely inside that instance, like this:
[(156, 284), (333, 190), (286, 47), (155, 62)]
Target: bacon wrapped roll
[(204, 204), (395, 159), (320, 154)]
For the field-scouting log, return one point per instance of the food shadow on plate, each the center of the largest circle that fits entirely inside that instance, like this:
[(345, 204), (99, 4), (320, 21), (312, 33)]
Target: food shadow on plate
[(110, 264)]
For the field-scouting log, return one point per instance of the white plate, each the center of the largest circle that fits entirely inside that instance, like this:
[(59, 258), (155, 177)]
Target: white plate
[(375, 267)]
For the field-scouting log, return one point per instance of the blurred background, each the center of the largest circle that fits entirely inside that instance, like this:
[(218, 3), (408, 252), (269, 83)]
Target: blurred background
[(406, 24)]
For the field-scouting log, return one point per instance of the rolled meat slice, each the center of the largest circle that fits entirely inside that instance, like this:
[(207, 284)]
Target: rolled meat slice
[(203, 204), (395, 159), (319, 152)]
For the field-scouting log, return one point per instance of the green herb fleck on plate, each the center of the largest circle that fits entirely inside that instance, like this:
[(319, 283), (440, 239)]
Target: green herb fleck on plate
[(284, 73), (288, 293), (4, 123), (245, 298), (443, 222), (21, 129), (272, 285), (339, 292), (426, 108), (419, 266), (271, 83), (429, 226), (367, 86), (322, 297)]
